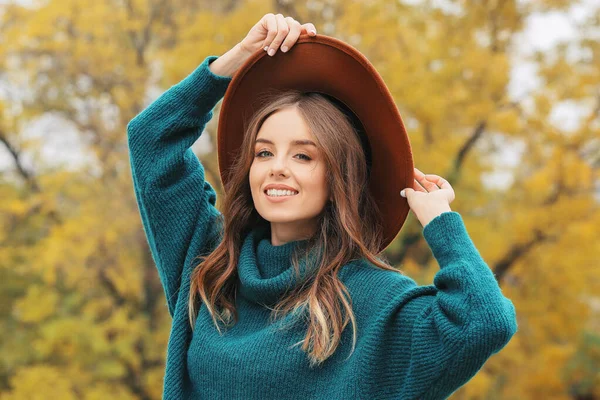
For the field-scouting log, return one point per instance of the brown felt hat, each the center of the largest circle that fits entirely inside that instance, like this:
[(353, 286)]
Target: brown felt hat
[(331, 67)]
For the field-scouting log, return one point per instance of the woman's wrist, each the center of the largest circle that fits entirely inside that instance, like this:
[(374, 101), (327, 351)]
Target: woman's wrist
[(227, 64), (430, 214)]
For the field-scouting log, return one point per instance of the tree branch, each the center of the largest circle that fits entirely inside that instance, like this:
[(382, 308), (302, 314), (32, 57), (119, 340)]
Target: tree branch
[(26, 175), (463, 152)]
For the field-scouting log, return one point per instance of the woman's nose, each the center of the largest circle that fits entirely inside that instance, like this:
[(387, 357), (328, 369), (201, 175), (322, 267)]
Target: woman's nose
[(279, 165)]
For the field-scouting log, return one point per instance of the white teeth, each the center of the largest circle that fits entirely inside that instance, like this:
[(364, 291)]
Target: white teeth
[(275, 192)]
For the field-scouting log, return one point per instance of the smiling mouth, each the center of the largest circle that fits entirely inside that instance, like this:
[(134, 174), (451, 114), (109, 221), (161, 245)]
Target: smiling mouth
[(280, 195)]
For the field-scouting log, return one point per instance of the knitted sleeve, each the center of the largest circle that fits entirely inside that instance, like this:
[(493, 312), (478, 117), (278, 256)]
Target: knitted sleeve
[(175, 201), (439, 336)]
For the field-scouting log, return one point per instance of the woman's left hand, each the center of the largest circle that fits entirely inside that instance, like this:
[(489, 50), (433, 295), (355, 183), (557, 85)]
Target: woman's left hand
[(429, 197)]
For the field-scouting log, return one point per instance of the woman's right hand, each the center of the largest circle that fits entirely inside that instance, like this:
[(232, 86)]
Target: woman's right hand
[(273, 31)]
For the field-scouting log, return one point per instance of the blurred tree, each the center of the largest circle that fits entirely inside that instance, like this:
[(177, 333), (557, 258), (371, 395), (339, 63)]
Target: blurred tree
[(83, 314)]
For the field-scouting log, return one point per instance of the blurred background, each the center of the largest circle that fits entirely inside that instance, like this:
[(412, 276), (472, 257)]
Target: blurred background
[(501, 97)]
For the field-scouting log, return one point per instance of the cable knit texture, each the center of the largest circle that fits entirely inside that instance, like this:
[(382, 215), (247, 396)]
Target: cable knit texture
[(413, 342)]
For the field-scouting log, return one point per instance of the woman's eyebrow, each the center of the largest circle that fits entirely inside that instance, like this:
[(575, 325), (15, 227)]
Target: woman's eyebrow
[(294, 142)]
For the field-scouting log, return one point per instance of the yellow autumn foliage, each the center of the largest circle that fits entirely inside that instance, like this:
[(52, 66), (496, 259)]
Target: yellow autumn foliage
[(82, 310)]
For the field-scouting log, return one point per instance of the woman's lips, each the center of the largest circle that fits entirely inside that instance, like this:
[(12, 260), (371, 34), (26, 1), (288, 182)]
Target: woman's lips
[(279, 199)]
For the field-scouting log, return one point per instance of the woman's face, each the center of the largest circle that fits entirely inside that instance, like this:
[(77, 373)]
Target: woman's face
[(280, 161)]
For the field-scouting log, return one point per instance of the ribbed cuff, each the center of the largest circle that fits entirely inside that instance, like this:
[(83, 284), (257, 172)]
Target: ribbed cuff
[(204, 85), (448, 238)]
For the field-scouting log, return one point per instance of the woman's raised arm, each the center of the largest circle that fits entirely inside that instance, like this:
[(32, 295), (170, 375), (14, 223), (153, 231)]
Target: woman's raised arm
[(176, 203), (433, 339)]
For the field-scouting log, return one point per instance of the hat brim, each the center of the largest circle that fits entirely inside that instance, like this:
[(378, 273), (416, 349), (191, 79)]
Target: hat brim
[(328, 65)]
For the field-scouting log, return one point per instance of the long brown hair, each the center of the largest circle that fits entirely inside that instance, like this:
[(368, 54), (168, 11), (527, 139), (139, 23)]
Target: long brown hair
[(350, 228)]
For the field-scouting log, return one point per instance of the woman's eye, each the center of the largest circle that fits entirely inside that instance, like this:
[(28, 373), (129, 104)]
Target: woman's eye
[(260, 152), (307, 158)]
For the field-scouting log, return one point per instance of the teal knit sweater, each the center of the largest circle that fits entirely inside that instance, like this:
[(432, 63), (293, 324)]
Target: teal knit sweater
[(414, 342)]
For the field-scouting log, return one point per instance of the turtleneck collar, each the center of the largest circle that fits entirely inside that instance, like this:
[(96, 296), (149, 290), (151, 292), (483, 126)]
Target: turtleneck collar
[(266, 271)]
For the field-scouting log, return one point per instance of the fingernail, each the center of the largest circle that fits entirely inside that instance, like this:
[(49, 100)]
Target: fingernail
[(312, 32), (284, 48), (271, 52), (266, 48), (402, 193)]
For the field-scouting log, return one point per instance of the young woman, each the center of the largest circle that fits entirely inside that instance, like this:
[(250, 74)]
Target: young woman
[(294, 258)]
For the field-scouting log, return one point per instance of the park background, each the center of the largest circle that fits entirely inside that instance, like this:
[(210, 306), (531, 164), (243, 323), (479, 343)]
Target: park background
[(501, 97)]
